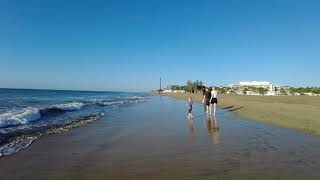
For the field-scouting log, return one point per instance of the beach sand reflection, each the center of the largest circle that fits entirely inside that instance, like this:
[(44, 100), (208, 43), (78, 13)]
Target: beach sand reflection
[(191, 126), (213, 128)]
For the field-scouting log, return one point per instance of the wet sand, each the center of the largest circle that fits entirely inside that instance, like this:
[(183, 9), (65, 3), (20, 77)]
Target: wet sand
[(296, 112), (154, 140)]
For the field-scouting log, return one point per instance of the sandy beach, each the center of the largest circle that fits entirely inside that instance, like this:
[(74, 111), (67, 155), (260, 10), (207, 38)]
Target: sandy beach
[(297, 112), (153, 140), (99, 90)]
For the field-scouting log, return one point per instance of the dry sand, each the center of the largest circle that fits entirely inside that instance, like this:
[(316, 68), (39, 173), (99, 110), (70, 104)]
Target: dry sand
[(297, 112)]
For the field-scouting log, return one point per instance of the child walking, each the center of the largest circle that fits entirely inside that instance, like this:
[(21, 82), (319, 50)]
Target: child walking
[(190, 107)]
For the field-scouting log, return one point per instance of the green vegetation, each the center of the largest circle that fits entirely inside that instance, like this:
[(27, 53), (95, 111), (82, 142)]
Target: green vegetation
[(196, 86), (303, 90), (283, 91), (244, 90), (193, 86), (262, 91)]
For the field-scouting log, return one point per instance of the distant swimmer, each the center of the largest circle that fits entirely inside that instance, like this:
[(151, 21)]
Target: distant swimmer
[(213, 101), (190, 107), (207, 98)]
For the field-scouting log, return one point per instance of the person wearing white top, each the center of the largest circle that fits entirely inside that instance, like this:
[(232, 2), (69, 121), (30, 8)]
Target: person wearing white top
[(213, 101)]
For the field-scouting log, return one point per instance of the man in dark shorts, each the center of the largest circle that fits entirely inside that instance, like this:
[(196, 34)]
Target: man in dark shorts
[(207, 98)]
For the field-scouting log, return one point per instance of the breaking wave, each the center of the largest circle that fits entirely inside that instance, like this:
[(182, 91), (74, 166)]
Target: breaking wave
[(27, 115), (70, 106), (24, 116)]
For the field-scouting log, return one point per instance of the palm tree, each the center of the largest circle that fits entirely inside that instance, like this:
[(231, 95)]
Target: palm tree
[(262, 91)]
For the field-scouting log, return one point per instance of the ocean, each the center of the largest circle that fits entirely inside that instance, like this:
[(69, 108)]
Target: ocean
[(26, 115)]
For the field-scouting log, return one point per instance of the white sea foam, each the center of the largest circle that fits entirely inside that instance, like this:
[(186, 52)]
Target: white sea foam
[(16, 145), (121, 100), (18, 117), (137, 97), (111, 103), (70, 106)]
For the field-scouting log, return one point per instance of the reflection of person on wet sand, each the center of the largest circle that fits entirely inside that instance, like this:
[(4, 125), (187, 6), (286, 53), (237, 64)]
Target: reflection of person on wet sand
[(212, 123), (191, 127), (213, 128)]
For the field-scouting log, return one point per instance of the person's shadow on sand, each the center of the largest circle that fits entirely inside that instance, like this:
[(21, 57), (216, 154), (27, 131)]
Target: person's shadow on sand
[(213, 128)]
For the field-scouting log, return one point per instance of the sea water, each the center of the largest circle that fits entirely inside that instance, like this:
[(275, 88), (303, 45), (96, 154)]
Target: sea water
[(26, 115)]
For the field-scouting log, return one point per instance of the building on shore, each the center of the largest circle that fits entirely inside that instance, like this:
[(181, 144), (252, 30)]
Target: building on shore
[(173, 89), (245, 88)]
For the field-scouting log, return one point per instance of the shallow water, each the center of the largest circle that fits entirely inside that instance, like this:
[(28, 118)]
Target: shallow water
[(154, 140), (27, 114)]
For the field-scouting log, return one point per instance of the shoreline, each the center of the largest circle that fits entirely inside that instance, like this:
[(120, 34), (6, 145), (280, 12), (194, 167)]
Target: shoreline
[(296, 112), (155, 140)]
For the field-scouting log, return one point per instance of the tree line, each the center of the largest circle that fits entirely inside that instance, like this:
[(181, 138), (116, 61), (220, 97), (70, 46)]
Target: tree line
[(303, 90), (192, 86), (197, 85), (244, 90)]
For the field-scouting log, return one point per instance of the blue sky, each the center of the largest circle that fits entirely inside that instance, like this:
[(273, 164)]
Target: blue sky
[(128, 45)]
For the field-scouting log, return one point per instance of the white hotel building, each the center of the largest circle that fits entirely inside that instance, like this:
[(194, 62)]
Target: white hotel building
[(272, 89)]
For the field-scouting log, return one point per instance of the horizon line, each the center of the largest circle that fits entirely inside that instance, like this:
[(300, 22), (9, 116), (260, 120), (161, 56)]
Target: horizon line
[(44, 89)]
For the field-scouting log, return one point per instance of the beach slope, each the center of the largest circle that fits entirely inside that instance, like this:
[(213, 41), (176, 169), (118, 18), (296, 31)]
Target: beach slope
[(297, 112)]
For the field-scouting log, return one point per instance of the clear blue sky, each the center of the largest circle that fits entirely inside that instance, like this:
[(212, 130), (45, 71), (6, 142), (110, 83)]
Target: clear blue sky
[(128, 45)]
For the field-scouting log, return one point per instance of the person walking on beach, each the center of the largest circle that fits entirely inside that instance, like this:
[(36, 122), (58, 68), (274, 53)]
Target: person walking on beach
[(190, 107), (213, 101), (207, 97), (203, 98)]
